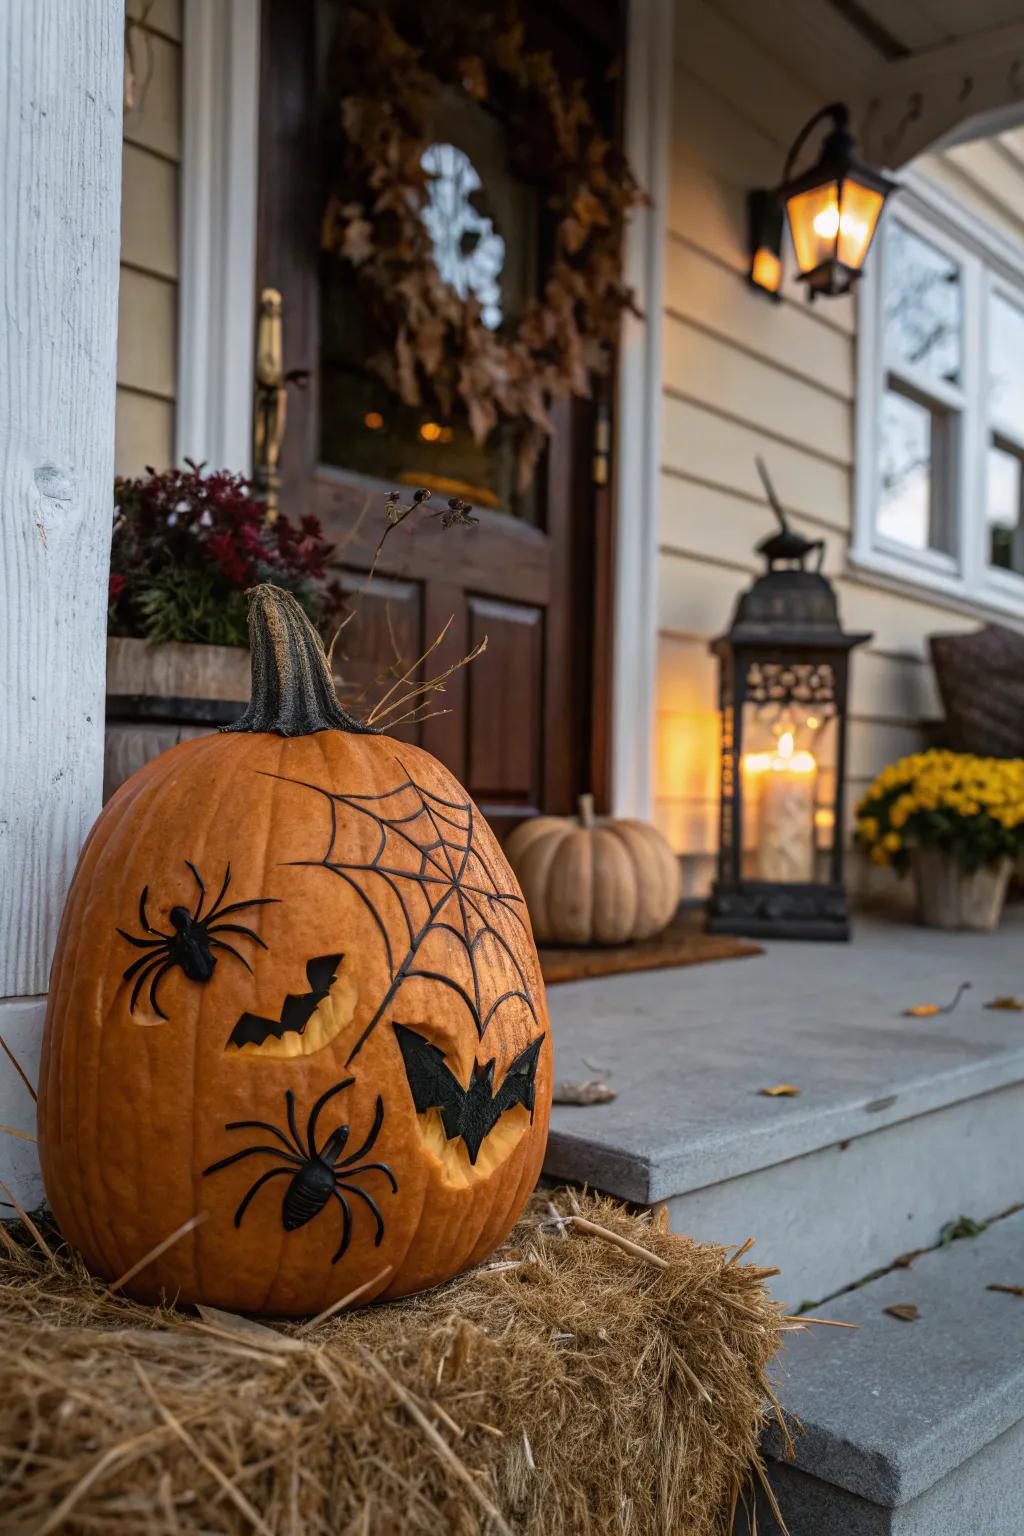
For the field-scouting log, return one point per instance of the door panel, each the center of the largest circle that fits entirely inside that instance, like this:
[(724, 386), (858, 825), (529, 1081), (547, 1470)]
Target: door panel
[(504, 720), (523, 726)]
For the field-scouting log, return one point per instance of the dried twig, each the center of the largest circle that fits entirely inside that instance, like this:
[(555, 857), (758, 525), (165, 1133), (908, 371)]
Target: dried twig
[(345, 1301), (16, 1064), (627, 1246), (8, 1130), (233, 1492), (437, 1441), (154, 1253), (27, 1219)]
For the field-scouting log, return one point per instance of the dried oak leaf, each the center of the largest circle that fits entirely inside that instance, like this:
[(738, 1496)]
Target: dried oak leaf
[(929, 1010), (780, 1091), (591, 1092), (904, 1312)]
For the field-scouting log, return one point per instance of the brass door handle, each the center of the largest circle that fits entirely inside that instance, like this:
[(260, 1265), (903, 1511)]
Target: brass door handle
[(270, 408)]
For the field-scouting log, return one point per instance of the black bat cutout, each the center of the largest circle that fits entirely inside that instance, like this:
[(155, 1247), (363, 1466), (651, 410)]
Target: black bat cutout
[(253, 1029), (470, 1112)]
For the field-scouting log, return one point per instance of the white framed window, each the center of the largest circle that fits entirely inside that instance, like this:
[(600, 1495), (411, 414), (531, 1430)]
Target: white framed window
[(940, 404)]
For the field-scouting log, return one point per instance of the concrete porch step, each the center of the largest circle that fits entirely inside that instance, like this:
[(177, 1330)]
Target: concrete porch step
[(900, 1126), (911, 1428)]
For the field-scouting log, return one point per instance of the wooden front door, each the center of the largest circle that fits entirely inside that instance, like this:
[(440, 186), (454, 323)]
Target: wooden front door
[(525, 727)]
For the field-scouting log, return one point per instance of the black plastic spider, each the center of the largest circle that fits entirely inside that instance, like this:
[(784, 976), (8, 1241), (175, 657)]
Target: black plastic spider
[(315, 1175), (192, 942)]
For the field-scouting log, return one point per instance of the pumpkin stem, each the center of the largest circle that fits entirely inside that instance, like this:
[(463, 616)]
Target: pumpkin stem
[(292, 690), (586, 806)]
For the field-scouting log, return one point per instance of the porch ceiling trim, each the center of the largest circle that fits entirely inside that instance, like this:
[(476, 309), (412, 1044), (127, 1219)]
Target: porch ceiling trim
[(963, 89)]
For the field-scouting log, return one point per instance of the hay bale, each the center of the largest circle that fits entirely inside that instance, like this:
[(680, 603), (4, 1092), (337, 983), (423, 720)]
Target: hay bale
[(567, 1387)]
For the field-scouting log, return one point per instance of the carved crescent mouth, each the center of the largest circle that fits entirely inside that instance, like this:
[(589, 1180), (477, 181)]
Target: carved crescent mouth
[(308, 1021)]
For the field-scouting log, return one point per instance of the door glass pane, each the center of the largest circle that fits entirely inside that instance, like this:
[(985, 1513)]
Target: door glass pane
[(914, 460), (923, 305), (1004, 490), (484, 222), (1006, 366)]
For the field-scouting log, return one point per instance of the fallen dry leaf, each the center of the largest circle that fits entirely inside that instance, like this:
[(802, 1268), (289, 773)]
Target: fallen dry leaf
[(780, 1091), (1009, 1290), (905, 1312), (1007, 1004), (904, 1260), (929, 1010), (591, 1092)]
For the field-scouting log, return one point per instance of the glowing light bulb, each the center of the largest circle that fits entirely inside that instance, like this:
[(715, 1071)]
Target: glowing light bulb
[(786, 744), (826, 223)]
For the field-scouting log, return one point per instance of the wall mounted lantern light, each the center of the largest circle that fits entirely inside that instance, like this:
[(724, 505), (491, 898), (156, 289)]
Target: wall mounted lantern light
[(832, 210)]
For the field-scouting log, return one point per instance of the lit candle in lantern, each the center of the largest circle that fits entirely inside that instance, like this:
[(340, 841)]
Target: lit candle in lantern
[(784, 781)]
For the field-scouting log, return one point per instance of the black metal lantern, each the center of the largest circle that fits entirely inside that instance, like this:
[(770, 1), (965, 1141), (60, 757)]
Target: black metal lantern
[(832, 209), (784, 666)]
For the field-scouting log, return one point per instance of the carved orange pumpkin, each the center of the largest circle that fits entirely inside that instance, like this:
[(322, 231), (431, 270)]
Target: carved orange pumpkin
[(594, 880), (296, 994)]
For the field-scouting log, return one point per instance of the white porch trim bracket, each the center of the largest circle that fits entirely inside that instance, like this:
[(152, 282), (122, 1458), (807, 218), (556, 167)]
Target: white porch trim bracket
[(965, 89), (217, 295), (60, 187), (648, 135)]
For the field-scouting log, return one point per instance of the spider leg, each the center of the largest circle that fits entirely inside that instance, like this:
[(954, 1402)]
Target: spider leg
[(265, 1125), (314, 1113), (264, 1178), (140, 943), (354, 1189), (202, 891), (378, 1121), (346, 1226), (289, 1099), (217, 944), (144, 920), (220, 894), (141, 963), (156, 962), (154, 985), (236, 1157), (350, 1173), (237, 928), (239, 906)]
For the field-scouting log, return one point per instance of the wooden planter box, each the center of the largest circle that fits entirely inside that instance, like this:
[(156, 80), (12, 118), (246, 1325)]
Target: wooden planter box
[(158, 695)]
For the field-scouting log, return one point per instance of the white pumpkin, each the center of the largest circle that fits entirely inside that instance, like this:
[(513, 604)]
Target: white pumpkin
[(594, 880)]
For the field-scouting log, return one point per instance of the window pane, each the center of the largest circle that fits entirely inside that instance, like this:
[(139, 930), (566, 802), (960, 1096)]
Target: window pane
[(1006, 366), (913, 443), (922, 306), (1004, 488)]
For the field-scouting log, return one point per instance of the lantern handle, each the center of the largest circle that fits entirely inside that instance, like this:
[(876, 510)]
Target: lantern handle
[(837, 111), (771, 493)]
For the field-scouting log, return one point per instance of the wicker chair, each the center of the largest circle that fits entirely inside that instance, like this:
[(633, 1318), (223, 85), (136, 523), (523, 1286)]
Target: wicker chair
[(981, 681)]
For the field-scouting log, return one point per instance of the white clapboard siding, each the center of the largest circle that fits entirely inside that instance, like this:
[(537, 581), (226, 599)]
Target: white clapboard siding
[(149, 213), (703, 445), (714, 524), (150, 241), (60, 182), (702, 289), (700, 367)]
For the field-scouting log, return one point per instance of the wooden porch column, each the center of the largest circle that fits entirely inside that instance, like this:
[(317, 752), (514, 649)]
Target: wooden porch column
[(60, 192)]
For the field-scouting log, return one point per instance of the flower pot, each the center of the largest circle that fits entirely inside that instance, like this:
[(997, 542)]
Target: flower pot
[(158, 695), (949, 896)]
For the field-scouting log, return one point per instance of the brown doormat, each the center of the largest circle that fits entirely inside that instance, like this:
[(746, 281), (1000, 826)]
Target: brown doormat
[(682, 943)]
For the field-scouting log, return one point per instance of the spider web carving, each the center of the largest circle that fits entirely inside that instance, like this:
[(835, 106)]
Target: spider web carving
[(424, 876)]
